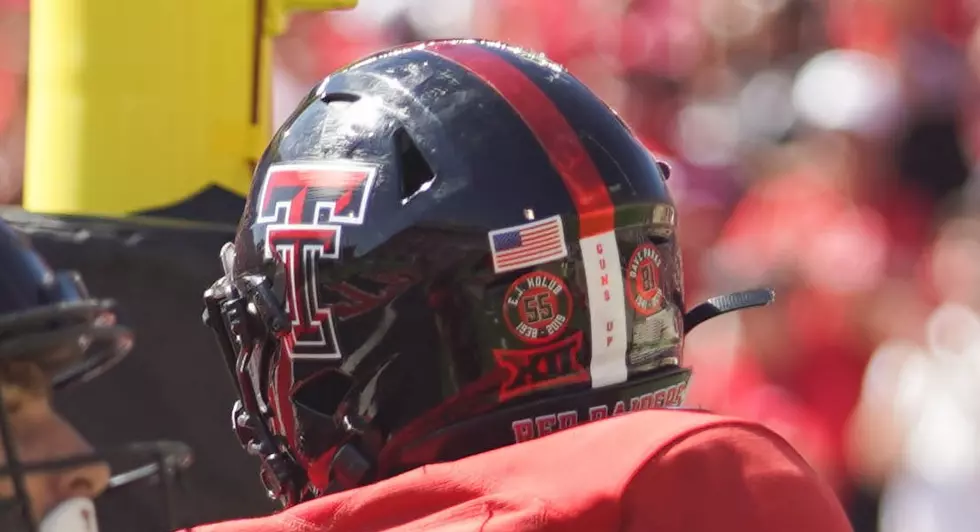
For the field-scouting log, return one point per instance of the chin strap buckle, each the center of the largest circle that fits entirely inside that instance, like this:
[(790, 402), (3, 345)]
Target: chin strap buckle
[(349, 468)]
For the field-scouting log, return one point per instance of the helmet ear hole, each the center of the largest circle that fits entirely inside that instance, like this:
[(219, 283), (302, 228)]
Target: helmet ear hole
[(323, 392), (416, 174)]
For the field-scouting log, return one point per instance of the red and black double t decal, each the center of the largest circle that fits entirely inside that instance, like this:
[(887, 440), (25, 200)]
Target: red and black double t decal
[(305, 207)]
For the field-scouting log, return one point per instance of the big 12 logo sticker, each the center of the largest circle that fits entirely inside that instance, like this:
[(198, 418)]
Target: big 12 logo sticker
[(305, 206)]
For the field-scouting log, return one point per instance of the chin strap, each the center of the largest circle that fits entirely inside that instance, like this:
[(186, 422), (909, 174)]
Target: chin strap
[(716, 306)]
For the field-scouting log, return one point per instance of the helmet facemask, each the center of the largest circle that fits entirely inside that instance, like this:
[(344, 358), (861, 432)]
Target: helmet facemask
[(65, 343)]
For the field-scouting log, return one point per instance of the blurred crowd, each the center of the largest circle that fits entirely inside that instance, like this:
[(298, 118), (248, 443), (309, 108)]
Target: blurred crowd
[(826, 148), (13, 91)]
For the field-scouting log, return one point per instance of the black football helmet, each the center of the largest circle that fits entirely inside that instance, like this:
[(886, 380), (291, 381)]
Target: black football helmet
[(449, 247), (48, 319)]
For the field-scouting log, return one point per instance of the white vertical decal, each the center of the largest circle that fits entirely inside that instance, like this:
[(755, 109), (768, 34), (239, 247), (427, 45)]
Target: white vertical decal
[(607, 308)]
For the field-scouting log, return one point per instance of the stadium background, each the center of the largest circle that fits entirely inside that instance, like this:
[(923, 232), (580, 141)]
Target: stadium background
[(824, 147)]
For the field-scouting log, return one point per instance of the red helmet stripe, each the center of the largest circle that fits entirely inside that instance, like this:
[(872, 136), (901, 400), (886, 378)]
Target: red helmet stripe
[(559, 140)]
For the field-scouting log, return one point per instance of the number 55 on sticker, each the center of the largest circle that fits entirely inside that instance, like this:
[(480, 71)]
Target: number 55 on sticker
[(537, 307)]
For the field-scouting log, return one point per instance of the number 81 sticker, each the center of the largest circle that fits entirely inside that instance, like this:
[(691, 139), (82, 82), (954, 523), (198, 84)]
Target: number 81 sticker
[(643, 280), (537, 307)]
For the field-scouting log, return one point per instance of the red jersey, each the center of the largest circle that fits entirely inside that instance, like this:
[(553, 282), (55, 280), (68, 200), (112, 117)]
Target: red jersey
[(663, 470)]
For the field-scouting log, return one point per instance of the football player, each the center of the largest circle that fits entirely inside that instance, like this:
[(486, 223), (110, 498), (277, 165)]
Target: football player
[(455, 303), (53, 334)]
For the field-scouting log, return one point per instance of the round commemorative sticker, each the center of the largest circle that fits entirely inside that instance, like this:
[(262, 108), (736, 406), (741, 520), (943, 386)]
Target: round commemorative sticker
[(537, 307), (643, 280)]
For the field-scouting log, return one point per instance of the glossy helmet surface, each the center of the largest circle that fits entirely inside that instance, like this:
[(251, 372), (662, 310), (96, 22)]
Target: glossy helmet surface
[(48, 318), (449, 247)]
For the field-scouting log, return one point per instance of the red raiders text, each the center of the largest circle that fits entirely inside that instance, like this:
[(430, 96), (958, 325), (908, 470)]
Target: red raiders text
[(529, 429)]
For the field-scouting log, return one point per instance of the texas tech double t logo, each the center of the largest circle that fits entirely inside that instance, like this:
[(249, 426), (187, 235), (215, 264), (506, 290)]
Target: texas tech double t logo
[(305, 206)]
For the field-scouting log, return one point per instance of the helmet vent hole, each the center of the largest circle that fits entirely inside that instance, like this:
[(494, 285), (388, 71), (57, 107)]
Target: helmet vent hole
[(416, 174), (340, 97)]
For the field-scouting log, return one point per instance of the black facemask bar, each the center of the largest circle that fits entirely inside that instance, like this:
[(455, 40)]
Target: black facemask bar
[(248, 319), (242, 324)]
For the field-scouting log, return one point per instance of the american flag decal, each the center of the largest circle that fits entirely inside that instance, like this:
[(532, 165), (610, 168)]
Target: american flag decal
[(528, 245)]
